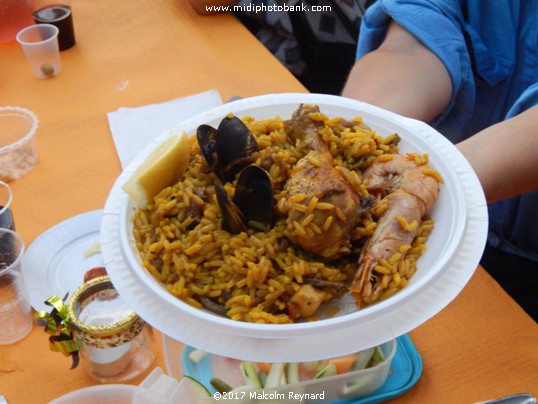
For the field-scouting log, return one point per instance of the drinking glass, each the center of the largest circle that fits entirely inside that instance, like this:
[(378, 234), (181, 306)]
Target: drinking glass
[(59, 14), (15, 310), (40, 45), (6, 218)]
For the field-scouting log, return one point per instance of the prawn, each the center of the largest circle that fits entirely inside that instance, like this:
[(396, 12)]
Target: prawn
[(410, 190)]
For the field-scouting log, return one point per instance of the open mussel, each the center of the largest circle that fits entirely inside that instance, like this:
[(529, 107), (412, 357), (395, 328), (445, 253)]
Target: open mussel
[(229, 148), (254, 197), (232, 217), (252, 203)]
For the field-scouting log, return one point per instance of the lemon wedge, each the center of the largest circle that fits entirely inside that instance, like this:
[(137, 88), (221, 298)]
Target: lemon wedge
[(162, 168)]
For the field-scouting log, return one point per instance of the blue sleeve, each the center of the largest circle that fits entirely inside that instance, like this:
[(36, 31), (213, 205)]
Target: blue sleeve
[(439, 25), (527, 100)]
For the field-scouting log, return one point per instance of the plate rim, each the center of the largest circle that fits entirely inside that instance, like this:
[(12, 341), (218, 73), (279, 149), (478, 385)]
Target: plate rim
[(32, 271)]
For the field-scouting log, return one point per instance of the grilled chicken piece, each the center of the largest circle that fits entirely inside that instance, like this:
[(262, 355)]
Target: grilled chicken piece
[(321, 206), (305, 302)]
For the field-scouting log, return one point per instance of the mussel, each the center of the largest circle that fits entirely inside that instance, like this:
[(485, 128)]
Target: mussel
[(229, 148), (252, 203), (254, 197)]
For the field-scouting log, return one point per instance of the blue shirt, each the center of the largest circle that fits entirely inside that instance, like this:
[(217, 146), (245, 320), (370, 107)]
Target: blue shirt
[(490, 50)]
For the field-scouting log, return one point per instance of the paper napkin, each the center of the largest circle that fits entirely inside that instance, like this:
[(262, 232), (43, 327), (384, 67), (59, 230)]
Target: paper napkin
[(134, 128)]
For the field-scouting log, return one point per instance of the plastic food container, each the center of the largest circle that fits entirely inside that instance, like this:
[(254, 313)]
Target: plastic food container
[(18, 153), (346, 385), (398, 373)]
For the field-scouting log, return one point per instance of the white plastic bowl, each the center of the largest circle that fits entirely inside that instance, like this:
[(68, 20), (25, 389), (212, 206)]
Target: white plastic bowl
[(453, 251)]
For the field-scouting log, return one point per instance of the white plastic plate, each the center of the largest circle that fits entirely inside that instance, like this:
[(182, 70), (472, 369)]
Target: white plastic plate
[(453, 251), (56, 261)]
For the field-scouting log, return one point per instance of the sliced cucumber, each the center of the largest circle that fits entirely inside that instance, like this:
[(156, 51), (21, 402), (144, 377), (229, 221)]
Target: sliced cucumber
[(262, 376), (275, 375), (363, 359), (249, 375), (293, 373), (377, 357), (329, 370), (197, 388)]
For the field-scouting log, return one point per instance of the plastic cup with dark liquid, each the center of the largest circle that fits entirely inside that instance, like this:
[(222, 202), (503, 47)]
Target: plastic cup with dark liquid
[(15, 310), (59, 14), (6, 218)]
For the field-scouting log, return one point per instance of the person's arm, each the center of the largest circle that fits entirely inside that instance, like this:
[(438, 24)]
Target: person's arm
[(205, 6), (403, 76), (505, 156)]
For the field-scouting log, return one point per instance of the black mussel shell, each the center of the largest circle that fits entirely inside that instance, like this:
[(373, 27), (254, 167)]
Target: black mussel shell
[(207, 140), (254, 197), (236, 148), (232, 218)]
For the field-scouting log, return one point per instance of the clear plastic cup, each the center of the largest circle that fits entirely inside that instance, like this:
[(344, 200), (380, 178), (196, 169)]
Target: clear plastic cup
[(6, 217), (15, 310), (18, 153), (40, 45)]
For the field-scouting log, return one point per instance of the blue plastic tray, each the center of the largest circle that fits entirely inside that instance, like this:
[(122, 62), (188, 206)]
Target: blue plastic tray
[(406, 369)]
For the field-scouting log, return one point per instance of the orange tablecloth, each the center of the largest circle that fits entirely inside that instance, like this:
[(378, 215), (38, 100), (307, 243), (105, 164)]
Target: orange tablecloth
[(136, 52)]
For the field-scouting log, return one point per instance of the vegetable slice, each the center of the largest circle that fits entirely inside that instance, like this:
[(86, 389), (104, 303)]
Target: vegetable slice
[(377, 357), (263, 366), (274, 378), (364, 359), (344, 363), (197, 355), (262, 376), (249, 375), (197, 388), (293, 373), (329, 370), (220, 385)]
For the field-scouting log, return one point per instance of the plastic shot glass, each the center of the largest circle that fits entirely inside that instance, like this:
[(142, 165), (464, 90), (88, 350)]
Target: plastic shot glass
[(15, 310), (40, 45)]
